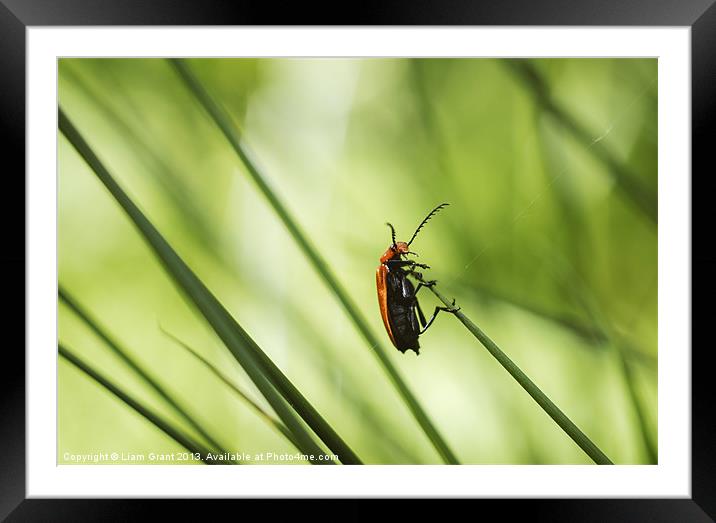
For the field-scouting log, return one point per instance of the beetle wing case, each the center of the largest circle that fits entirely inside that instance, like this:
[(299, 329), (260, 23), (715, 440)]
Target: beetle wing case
[(401, 311), (381, 274), (396, 298)]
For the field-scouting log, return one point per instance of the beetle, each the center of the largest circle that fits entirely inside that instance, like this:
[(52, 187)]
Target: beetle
[(397, 296)]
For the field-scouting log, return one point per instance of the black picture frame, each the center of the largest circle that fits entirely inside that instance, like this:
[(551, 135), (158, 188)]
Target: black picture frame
[(17, 15)]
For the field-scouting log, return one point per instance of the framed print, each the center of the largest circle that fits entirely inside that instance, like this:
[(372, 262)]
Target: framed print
[(455, 257)]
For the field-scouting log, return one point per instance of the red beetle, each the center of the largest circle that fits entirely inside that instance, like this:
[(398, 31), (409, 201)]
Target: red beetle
[(403, 319)]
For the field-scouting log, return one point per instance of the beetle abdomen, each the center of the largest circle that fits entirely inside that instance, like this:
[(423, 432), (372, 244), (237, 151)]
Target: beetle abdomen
[(401, 311), (405, 326)]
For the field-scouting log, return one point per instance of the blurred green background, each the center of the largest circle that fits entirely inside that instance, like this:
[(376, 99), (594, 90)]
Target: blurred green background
[(549, 245)]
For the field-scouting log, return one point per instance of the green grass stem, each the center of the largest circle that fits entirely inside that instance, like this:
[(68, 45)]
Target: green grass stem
[(125, 356), (170, 185), (589, 331), (259, 367), (650, 448), (533, 390), (229, 130), (229, 383), (631, 185), (183, 439), (581, 294)]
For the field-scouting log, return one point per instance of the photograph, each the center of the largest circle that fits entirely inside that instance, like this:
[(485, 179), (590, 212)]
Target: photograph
[(359, 260)]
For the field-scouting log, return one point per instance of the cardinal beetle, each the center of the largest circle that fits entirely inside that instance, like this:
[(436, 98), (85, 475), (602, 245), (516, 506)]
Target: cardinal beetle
[(397, 297)]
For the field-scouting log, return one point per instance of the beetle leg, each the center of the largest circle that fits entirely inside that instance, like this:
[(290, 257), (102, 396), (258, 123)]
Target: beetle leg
[(415, 274), (399, 263), (452, 309), (419, 276), (405, 263), (422, 283), (421, 316)]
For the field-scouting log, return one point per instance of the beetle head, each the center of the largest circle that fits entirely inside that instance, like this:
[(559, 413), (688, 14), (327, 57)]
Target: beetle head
[(395, 249), (401, 248)]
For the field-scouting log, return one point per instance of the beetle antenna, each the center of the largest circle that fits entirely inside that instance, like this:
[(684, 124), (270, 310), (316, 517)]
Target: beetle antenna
[(432, 213), (392, 232)]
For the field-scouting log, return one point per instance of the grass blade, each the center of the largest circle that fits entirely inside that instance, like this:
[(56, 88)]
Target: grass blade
[(223, 121), (171, 185), (68, 300), (434, 138), (227, 381), (257, 365), (630, 382), (184, 440), (630, 184), (590, 304), (590, 331), (533, 390)]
